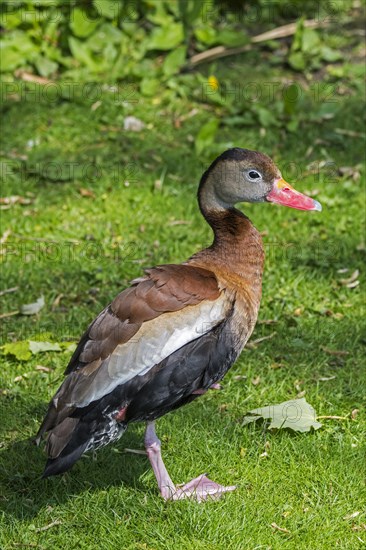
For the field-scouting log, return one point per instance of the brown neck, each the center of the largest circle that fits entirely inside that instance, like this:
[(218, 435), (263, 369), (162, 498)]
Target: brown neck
[(237, 248)]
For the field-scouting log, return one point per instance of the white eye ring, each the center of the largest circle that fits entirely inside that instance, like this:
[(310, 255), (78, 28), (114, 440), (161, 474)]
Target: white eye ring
[(254, 175)]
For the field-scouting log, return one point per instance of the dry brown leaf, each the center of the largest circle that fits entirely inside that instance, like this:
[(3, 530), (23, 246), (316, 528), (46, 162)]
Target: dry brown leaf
[(353, 515), (350, 279), (41, 368), (353, 284), (256, 380), (84, 192), (5, 236), (57, 301), (354, 413), (278, 528), (337, 353), (14, 199)]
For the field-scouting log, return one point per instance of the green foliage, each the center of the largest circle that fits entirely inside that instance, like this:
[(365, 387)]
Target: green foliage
[(114, 40), (309, 50)]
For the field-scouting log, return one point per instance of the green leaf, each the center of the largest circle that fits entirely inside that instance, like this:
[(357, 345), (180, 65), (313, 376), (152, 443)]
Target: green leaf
[(81, 23), (20, 350), (108, 8), (232, 38), (265, 117), (45, 66), (174, 61), (297, 61), (206, 35), (149, 86), (82, 53), (291, 97), (206, 135), (310, 41), (166, 38), (39, 347), (10, 58), (105, 35), (328, 54), (296, 414)]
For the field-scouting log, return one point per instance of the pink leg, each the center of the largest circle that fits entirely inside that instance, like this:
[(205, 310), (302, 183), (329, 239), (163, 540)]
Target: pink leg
[(215, 386), (199, 488)]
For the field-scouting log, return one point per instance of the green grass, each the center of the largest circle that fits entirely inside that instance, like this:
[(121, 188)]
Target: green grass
[(88, 248)]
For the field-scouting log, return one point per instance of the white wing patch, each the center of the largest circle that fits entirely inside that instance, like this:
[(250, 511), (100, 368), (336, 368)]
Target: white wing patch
[(155, 340)]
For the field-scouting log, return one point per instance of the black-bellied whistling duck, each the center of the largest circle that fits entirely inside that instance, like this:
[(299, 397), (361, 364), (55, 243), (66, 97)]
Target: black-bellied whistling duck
[(175, 332)]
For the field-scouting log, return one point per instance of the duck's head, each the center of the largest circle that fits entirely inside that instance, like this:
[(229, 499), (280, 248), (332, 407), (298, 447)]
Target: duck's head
[(240, 175)]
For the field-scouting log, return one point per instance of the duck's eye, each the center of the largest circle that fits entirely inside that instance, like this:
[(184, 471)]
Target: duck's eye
[(253, 174)]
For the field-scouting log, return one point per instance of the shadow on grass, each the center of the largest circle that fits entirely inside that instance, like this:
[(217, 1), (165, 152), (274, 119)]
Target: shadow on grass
[(24, 493)]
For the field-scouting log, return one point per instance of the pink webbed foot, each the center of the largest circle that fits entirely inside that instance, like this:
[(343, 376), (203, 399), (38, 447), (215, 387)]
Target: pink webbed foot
[(201, 488)]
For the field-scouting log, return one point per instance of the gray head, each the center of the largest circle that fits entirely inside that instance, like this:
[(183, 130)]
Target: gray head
[(241, 175)]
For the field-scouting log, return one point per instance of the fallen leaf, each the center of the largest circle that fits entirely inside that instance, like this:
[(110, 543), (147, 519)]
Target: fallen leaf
[(5, 236), (278, 528), (57, 301), (350, 279), (14, 199), (296, 414), (41, 368), (256, 380), (353, 284), (20, 350), (337, 353), (353, 515), (84, 192), (40, 347), (32, 309), (354, 413)]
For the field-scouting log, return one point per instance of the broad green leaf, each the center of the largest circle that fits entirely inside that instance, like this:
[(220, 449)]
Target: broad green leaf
[(149, 86), (102, 37), (82, 53), (34, 308), (38, 347), (232, 38), (206, 135), (166, 38), (297, 61), (174, 60), (20, 350), (296, 414), (10, 58), (108, 8), (45, 66), (310, 41), (81, 23), (206, 35), (328, 54), (266, 117)]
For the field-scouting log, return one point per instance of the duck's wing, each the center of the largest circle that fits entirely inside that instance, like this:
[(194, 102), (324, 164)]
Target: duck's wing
[(146, 323)]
